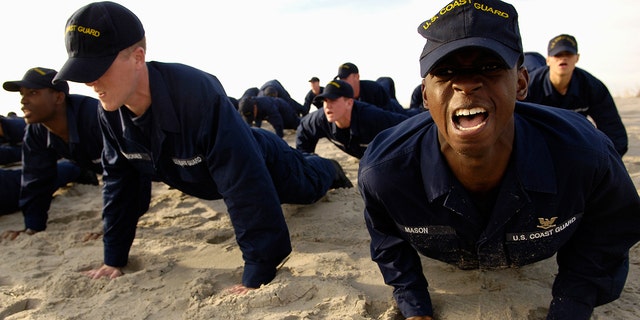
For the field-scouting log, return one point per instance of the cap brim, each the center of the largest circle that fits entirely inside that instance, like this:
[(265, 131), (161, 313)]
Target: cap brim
[(84, 70), (508, 55), (14, 86), (330, 96), (558, 49)]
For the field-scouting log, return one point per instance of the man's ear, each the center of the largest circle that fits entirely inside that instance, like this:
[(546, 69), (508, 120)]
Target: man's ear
[(425, 104), (60, 97), (140, 53), (523, 83), (350, 102)]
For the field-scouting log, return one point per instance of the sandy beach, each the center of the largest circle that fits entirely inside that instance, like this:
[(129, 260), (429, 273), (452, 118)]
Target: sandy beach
[(184, 257)]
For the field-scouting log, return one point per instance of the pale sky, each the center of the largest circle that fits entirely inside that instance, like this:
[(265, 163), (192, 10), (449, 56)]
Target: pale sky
[(246, 43)]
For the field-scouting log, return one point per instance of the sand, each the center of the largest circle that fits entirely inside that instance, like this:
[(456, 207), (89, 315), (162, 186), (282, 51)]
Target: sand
[(185, 256)]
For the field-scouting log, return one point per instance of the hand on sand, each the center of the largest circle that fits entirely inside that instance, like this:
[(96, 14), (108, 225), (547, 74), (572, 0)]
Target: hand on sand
[(104, 271), (91, 236), (239, 289), (12, 234)]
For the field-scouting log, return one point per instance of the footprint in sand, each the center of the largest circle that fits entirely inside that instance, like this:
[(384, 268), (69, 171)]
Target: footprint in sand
[(19, 306)]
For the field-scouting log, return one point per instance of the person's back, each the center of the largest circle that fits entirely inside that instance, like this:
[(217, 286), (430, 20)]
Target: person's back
[(563, 85), (389, 87), (275, 89), (534, 60), (276, 111), (373, 93), (250, 92), (290, 118)]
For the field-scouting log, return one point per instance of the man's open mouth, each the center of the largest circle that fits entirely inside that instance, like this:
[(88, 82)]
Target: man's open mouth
[(470, 119)]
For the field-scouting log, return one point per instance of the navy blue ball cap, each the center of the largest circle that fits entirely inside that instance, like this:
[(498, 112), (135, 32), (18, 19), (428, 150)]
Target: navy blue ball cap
[(563, 42), (94, 35), (489, 24), (335, 89), (345, 70), (37, 78)]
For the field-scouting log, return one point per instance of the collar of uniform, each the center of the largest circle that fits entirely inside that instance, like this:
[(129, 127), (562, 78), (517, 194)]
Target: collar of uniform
[(574, 84), (353, 125), (533, 164)]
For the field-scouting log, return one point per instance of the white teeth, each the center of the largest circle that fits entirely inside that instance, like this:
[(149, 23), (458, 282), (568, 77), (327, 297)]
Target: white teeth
[(468, 112)]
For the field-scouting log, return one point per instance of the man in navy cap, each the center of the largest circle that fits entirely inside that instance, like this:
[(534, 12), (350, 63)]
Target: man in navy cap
[(563, 85), (367, 91), (315, 90), (59, 125), (348, 123), (174, 123), (484, 181)]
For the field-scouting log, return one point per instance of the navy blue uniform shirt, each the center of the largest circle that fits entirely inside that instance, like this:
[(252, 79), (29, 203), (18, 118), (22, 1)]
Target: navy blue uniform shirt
[(565, 191), (41, 150), (277, 112), (13, 129), (194, 140), (586, 95), (10, 184), (11, 141), (366, 122), (309, 100), (374, 93)]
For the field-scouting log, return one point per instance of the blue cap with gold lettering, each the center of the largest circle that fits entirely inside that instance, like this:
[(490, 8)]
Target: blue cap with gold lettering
[(561, 43), (489, 24), (335, 89), (37, 78), (94, 35)]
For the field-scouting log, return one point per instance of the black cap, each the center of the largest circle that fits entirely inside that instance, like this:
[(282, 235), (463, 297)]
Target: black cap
[(314, 79), (334, 90), (346, 69), (94, 35), (563, 42), (489, 24), (37, 78)]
